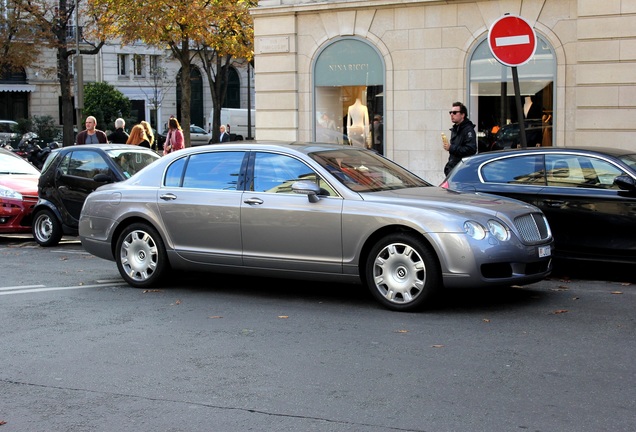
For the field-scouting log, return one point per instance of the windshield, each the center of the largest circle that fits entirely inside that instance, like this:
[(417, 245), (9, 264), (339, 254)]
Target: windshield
[(629, 160), (13, 165), (365, 171), (132, 161)]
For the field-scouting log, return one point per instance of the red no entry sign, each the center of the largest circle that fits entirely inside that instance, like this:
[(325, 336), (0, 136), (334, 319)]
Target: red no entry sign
[(512, 40)]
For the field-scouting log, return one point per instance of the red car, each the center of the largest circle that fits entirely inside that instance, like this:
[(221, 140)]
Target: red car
[(18, 193)]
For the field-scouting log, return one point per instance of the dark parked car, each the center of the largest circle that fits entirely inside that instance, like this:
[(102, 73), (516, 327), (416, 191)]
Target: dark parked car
[(18, 192), (70, 174), (312, 211), (587, 194), (509, 136)]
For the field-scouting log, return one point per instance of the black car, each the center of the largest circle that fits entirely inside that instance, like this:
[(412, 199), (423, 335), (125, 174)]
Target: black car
[(587, 194), (70, 174), (509, 136)]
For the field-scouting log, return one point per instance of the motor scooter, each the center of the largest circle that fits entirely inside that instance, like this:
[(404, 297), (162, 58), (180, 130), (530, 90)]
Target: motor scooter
[(30, 149)]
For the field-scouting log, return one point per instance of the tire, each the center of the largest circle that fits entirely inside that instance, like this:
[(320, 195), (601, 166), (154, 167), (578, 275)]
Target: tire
[(402, 273), (46, 228), (141, 256)]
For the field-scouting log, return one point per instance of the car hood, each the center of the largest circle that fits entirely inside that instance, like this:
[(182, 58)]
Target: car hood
[(437, 197), (25, 184)]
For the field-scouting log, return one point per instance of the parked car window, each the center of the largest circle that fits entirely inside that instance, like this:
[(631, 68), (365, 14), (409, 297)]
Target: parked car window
[(276, 173), (580, 171), (83, 163), (174, 173), (527, 169), (214, 170)]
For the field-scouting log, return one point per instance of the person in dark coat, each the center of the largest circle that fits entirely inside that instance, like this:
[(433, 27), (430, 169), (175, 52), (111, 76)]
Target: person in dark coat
[(119, 136), (91, 135), (463, 141), (224, 136)]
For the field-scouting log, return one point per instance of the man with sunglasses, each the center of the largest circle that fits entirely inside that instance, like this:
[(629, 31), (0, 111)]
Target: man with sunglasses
[(463, 141)]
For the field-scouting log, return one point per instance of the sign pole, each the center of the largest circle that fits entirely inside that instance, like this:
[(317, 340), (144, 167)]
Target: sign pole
[(512, 42), (520, 119)]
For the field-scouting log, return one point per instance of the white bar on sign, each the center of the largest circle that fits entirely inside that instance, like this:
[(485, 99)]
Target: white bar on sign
[(512, 40)]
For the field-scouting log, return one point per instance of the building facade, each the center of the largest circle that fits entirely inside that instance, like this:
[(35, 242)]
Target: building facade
[(407, 61), (129, 69)]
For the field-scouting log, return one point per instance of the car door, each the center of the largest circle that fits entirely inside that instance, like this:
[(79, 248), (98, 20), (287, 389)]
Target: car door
[(73, 181), (588, 214), (281, 229), (200, 204)]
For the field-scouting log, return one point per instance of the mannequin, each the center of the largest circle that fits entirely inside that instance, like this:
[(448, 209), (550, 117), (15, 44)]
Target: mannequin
[(526, 106), (358, 124)]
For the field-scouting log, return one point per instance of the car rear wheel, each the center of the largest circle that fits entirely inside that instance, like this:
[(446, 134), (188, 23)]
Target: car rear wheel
[(46, 228), (141, 256), (402, 273)]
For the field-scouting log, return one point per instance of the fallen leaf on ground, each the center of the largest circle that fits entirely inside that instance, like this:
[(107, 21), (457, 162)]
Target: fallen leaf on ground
[(486, 320), (283, 316), (178, 302), (64, 259), (560, 311), (616, 292), (401, 331), (437, 346)]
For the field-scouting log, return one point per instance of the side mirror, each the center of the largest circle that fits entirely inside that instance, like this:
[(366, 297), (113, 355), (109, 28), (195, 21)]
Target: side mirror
[(626, 183), (102, 178), (311, 189)]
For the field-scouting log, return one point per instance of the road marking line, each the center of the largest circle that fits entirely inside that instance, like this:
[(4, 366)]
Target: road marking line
[(22, 290)]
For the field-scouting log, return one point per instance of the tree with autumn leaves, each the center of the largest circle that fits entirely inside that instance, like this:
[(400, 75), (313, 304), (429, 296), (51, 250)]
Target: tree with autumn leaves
[(211, 31), (29, 26)]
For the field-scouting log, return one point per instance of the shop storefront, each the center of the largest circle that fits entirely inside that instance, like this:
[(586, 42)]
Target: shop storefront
[(325, 70)]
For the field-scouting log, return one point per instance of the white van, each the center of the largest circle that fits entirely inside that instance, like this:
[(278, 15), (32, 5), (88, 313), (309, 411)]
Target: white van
[(237, 119)]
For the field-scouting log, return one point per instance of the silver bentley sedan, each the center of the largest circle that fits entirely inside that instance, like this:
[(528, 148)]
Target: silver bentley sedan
[(312, 211)]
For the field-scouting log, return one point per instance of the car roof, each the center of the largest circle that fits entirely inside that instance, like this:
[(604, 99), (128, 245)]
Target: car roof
[(302, 147), (104, 147), (591, 150)]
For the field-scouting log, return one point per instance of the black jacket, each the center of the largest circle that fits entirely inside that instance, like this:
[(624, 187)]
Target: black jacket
[(463, 142), (118, 137)]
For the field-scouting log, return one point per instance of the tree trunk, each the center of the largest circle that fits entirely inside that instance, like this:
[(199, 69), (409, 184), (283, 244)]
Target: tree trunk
[(64, 76)]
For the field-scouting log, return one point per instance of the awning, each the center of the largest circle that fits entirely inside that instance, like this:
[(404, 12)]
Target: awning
[(17, 88)]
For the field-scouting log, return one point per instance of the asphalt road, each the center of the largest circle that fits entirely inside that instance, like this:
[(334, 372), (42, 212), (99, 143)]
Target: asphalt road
[(81, 351)]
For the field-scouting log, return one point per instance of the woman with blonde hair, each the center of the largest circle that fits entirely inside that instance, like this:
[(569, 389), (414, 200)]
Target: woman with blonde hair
[(138, 137), (174, 139), (149, 134)]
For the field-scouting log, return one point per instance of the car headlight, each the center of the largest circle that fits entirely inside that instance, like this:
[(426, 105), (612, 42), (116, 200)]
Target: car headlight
[(475, 230), (498, 230), (5, 192)]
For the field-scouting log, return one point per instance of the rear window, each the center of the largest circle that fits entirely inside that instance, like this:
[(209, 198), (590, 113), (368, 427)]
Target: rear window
[(527, 169)]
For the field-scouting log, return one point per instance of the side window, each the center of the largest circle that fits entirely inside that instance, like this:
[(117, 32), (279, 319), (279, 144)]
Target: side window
[(580, 171), (527, 169), (175, 173), (214, 170), (86, 164), (276, 174)]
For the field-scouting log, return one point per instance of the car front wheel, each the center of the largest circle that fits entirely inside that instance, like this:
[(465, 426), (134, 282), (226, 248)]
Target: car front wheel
[(141, 256), (46, 228), (402, 273)]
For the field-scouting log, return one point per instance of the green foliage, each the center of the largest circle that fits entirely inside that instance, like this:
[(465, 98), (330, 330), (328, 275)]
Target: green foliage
[(106, 103), (45, 127)]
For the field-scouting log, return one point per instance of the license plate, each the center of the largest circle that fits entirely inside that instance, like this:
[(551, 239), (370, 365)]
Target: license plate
[(544, 251)]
